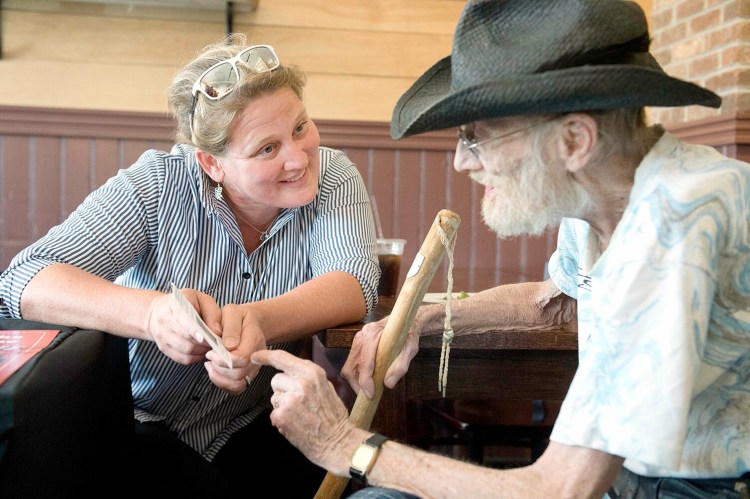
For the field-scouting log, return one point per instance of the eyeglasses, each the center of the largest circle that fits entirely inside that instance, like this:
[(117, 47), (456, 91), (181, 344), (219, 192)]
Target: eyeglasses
[(470, 142), (222, 78)]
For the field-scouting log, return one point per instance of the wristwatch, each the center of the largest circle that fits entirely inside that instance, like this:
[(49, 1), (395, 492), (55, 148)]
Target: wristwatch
[(364, 457)]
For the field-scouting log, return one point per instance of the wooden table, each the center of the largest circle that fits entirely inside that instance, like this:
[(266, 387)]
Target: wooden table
[(495, 365)]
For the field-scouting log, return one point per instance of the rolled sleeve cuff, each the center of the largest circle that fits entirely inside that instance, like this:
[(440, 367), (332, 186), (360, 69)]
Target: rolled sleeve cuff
[(13, 283)]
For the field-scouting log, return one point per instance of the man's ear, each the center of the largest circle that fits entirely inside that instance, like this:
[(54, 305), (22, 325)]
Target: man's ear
[(578, 141), (210, 165)]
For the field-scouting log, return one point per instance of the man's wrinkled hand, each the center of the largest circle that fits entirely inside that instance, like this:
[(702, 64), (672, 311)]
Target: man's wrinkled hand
[(359, 367), (307, 410)]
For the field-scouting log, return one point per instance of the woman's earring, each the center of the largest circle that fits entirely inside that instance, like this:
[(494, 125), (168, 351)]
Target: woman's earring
[(217, 191)]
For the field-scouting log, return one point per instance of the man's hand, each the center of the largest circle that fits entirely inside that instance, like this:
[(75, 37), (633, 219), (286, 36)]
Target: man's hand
[(308, 412), (359, 367)]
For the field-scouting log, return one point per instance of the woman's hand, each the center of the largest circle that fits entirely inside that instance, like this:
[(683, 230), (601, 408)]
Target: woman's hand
[(359, 367), (175, 332), (241, 335)]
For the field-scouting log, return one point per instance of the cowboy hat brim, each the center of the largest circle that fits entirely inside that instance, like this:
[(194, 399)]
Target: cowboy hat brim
[(431, 103)]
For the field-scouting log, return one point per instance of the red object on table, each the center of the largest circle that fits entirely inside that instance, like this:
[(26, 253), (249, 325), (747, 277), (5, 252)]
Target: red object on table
[(18, 346)]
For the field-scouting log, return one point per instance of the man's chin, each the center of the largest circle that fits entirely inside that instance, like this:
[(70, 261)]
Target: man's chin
[(506, 232), (507, 226)]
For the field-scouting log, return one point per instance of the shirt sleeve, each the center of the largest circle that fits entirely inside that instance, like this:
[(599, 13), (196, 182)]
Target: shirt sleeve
[(344, 234), (104, 236), (563, 264)]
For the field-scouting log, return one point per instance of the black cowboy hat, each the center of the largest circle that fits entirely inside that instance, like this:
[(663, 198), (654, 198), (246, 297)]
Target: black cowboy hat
[(513, 57)]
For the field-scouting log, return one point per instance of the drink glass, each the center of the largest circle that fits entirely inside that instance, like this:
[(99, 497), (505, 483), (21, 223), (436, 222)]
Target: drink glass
[(389, 253)]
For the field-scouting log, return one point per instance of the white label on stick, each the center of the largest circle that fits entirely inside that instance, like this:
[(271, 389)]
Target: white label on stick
[(415, 265)]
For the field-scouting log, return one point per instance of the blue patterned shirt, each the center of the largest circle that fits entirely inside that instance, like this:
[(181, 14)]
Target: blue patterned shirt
[(158, 222), (664, 320)]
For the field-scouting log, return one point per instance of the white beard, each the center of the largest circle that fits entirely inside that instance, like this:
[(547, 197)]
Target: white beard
[(531, 198)]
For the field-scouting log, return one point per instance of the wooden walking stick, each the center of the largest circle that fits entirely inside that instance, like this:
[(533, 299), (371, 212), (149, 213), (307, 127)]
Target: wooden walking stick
[(420, 274)]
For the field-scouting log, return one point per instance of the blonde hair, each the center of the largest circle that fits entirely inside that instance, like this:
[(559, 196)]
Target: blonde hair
[(213, 118)]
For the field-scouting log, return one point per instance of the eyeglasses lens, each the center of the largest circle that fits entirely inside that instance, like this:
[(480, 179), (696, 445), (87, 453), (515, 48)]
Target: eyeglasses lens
[(219, 81), (466, 138), (222, 79), (260, 59)]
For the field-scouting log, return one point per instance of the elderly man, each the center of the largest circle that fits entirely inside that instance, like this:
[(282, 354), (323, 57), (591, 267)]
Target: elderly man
[(652, 262)]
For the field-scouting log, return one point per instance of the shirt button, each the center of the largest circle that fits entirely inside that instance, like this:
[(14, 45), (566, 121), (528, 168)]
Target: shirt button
[(246, 275)]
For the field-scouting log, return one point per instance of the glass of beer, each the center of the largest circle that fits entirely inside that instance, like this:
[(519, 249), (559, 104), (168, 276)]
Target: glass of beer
[(389, 256)]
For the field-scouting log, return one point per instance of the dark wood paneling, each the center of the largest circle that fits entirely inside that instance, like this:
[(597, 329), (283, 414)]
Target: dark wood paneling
[(76, 174), (47, 208), (50, 159), (17, 181), (106, 160)]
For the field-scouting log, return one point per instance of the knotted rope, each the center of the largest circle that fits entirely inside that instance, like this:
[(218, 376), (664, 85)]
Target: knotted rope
[(449, 245)]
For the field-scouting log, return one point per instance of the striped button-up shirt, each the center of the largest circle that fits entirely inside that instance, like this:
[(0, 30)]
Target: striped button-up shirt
[(158, 222)]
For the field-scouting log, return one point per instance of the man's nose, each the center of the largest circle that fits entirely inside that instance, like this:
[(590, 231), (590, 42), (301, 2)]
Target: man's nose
[(465, 160)]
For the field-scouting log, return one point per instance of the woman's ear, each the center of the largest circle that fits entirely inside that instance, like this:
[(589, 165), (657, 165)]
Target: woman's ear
[(578, 141), (210, 165)]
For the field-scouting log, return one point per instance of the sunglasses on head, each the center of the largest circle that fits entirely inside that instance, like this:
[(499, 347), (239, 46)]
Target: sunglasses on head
[(222, 78)]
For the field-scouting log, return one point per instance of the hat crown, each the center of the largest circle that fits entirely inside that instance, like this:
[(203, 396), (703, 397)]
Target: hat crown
[(523, 57), (495, 40)]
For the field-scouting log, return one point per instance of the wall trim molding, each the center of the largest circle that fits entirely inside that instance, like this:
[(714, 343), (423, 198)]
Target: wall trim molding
[(99, 124), (721, 131), (93, 124), (716, 131)]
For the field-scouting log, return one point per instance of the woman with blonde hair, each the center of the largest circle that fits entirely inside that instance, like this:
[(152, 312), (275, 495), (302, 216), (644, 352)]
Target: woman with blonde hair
[(268, 235)]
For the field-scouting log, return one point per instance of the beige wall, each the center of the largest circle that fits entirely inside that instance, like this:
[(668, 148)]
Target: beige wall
[(360, 55)]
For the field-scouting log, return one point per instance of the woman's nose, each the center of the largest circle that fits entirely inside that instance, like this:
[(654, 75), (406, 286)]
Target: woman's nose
[(296, 157)]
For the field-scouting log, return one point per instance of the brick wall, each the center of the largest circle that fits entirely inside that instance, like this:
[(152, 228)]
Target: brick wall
[(706, 42)]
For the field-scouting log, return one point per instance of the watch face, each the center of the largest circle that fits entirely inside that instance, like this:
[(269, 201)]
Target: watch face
[(363, 456)]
